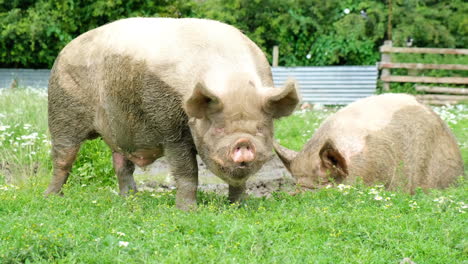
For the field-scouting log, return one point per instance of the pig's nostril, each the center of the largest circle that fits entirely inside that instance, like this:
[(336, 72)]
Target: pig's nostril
[(243, 152)]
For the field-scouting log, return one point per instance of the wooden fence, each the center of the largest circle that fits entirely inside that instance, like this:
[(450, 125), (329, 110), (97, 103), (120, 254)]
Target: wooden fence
[(434, 94)]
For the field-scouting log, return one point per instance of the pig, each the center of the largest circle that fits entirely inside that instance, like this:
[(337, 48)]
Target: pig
[(389, 139), (153, 87)]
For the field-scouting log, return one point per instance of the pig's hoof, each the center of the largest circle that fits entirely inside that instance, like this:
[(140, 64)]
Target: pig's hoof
[(129, 192), (237, 204), (187, 207), (48, 193)]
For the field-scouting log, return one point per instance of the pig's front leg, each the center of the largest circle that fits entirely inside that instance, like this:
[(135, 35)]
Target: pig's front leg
[(183, 165), (236, 193)]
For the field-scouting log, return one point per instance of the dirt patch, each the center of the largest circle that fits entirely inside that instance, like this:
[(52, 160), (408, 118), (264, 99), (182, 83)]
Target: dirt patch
[(273, 177)]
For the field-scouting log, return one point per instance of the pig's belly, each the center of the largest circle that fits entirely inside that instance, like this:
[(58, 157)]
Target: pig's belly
[(144, 157), (140, 154)]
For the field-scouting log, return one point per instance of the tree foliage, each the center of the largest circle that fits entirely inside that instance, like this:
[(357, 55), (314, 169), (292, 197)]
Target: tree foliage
[(308, 32)]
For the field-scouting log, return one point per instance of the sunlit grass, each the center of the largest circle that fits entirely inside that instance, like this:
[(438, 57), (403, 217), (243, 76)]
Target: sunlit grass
[(343, 224), (92, 224)]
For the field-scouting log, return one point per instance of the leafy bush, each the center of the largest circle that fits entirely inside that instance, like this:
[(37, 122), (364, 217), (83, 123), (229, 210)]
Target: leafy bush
[(308, 32)]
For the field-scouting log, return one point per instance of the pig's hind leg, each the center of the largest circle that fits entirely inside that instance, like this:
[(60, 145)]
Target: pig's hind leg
[(63, 158), (71, 122), (64, 151)]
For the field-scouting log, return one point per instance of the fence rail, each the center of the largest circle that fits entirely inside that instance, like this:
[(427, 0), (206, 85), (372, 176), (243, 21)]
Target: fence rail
[(436, 89), (455, 95), (422, 66), (425, 79), (389, 49)]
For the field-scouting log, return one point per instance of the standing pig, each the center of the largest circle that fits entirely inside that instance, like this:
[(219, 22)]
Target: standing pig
[(153, 87), (390, 139)]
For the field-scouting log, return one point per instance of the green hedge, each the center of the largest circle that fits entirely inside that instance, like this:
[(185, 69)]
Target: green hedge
[(308, 32)]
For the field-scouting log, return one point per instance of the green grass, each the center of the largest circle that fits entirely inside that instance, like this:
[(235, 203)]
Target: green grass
[(330, 226), (92, 224)]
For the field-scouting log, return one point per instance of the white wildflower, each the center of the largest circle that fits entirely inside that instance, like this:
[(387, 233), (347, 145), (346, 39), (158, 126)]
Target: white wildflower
[(462, 208), (7, 187), (378, 197), (123, 244), (30, 136), (342, 187), (413, 204)]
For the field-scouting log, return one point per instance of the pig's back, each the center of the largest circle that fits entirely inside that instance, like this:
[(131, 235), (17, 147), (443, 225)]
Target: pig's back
[(372, 113), (181, 52), (394, 139), (350, 126)]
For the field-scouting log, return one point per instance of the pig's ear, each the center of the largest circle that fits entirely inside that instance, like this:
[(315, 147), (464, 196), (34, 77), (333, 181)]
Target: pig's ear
[(282, 101), (202, 102), (285, 155), (333, 160)]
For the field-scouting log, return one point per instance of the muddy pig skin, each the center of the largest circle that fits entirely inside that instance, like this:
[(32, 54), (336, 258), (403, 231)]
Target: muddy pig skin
[(153, 87), (389, 139)]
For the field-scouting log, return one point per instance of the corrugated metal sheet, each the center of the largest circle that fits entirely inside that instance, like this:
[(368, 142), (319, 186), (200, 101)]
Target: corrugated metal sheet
[(330, 85), (24, 77), (324, 85)]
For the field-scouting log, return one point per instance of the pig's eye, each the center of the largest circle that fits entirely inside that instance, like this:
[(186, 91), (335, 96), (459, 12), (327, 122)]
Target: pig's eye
[(219, 130), (260, 132)]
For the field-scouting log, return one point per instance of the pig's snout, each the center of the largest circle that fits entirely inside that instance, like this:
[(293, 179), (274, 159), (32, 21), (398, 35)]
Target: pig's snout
[(243, 152)]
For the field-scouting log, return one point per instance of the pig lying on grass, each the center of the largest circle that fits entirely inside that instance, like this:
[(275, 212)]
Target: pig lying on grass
[(153, 87), (390, 139)]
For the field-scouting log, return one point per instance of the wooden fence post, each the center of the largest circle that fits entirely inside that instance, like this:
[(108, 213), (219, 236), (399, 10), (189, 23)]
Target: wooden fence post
[(386, 57), (275, 56)]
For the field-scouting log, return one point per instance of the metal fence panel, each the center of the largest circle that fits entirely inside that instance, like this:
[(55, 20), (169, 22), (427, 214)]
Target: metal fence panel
[(24, 77), (330, 84), (324, 85)]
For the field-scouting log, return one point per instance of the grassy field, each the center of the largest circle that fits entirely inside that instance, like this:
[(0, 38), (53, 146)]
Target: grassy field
[(92, 224)]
